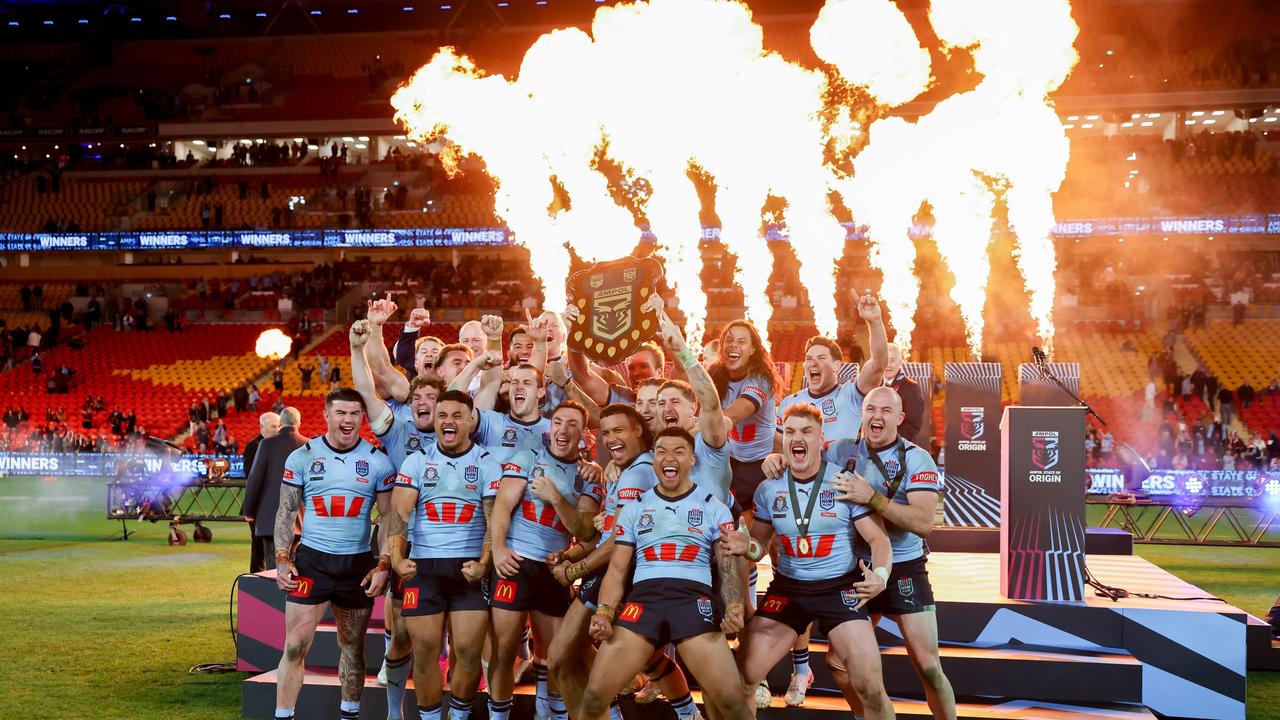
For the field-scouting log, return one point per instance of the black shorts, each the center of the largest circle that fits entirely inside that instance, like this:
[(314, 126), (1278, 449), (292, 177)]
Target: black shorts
[(797, 603), (589, 589), (324, 577), (747, 475), (908, 590), (533, 588), (668, 611), (440, 587)]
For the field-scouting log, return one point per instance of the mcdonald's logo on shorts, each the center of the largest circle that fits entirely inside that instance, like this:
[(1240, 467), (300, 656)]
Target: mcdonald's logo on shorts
[(304, 588), (773, 603), (631, 612), (505, 591), (410, 598)]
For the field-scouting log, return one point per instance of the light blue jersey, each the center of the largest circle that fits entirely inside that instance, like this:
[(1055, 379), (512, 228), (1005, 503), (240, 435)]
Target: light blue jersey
[(841, 408), (673, 537), (632, 482), (403, 438), (536, 529), (339, 489), (448, 515), (505, 436), (827, 551), (752, 439), (921, 476), (712, 472)]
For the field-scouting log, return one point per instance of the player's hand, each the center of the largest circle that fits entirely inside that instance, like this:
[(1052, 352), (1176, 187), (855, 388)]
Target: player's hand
[(671, 335), (406, 569), (654, 303), (506, 561), (361, 331), (378, 311), (601, 629), (286, 576), (474, 570), (773, 466), (557, 374), (852, 487), (418, 319), (375, 582), (492, 327), (869, 586), (560, 572), (735, 542), (590, 472), (489, 360), (555, 558), (545, 490), (536, 327), (868, 307), (612, 472), (598, 521), (734, 619), (248, 519), (571, 313)]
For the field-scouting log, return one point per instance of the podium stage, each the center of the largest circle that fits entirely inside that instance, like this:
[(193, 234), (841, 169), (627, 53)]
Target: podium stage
[(1005, 658)]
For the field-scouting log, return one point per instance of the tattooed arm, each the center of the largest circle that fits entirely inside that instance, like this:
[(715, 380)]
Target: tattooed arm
[(731, 589), (290, 500)]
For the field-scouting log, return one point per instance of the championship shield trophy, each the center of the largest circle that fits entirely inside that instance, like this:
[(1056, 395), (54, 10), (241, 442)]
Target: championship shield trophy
[(611, 322)]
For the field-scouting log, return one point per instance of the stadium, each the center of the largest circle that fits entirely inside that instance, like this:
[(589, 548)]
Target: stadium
[(1035, 244)]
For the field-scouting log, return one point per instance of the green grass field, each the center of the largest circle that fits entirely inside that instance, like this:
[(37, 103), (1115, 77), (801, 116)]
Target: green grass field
[(99, 629)]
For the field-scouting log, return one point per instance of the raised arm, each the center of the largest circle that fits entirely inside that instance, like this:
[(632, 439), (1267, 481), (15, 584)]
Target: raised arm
[(712, 423), (489, 366), (872, 374), (388, 381), (406, 345), (584, 377), (557, 376), (380, 416), (539, 331)]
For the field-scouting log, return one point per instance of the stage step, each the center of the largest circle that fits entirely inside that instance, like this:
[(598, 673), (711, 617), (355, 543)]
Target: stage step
[(1262, 647), (1011, 670), (321, 693)]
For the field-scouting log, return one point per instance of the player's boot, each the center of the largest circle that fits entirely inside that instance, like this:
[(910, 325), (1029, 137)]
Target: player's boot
[(764, 696), (800, 683)]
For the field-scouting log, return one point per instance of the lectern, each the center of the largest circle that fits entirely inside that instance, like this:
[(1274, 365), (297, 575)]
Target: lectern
[(1042, 523)]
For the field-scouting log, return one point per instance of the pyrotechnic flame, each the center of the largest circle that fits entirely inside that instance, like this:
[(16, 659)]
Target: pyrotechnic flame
[(273, 344), (669, 87)]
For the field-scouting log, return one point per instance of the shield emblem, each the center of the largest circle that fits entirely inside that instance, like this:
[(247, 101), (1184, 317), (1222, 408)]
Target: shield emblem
[(906, 587), (362, 468), (471, 474), (972, 422), (609, 296), (704, 606), (1044, 450), (415, 442), (695, 517), (509, 436), (646, 520), (849, 598), (431, 475), (317, 467), (827, 498), (891, 464), (779, 503), (539, 471), (828, 407)]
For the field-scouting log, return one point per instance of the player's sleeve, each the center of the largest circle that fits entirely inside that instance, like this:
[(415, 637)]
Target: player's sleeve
[(410, 471), (722, 519), (295, 468), (592, 489), (852, 396), (519, 465), (924, 472), (757, 391), (782, 406), (384, 470), (629, 484), (624, 529), (619, 394), (488, 430), (840, 452), (491, 474), (760, 503)]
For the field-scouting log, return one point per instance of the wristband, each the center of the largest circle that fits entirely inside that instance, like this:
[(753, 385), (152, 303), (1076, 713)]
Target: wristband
[(576, 570), (605, 611), (878, 502), (384, 563), (686, 357), (755, 551), (882, 573), (282, 556)]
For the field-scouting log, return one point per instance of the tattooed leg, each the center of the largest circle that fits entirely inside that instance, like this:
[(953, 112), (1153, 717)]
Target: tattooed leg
[(352, 624)]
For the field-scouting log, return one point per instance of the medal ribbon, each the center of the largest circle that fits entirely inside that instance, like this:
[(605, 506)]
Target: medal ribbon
[(892, 483), (802, 521)]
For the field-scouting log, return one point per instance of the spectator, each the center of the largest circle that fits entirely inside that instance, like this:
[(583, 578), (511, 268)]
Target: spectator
[(1226, 405), (305, 372), (254, 397), (279, 436), (1246, 394)]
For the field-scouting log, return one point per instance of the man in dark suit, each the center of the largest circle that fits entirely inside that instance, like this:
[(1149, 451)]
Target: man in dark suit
[(909, 390), (256, 495)]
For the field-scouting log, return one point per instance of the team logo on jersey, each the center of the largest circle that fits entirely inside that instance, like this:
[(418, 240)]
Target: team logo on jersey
[(646, 521), (779, 503), (849, 598), (827, 498), (891, 465), (695, 517), (431, 474), (317, 467), (1044, 449), (415, 442), (704, 607), (539, 471), (906, 587), (362, 468), (828, 406), (973, 422), (471, 474), (509, 436)]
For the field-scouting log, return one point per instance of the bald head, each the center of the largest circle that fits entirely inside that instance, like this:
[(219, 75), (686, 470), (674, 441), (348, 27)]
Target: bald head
[(290, 418), (895, 361), (269, 424), (881, 416), (472, 335)]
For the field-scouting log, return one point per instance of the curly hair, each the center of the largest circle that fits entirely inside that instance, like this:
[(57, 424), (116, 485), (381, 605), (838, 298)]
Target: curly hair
[(759, 364)]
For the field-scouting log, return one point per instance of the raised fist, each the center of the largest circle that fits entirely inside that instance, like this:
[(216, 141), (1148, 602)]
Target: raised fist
[(360, 333), (418, 319), (492, 326)]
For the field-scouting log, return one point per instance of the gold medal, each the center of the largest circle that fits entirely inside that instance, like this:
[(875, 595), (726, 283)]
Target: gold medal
[(804, 545)]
